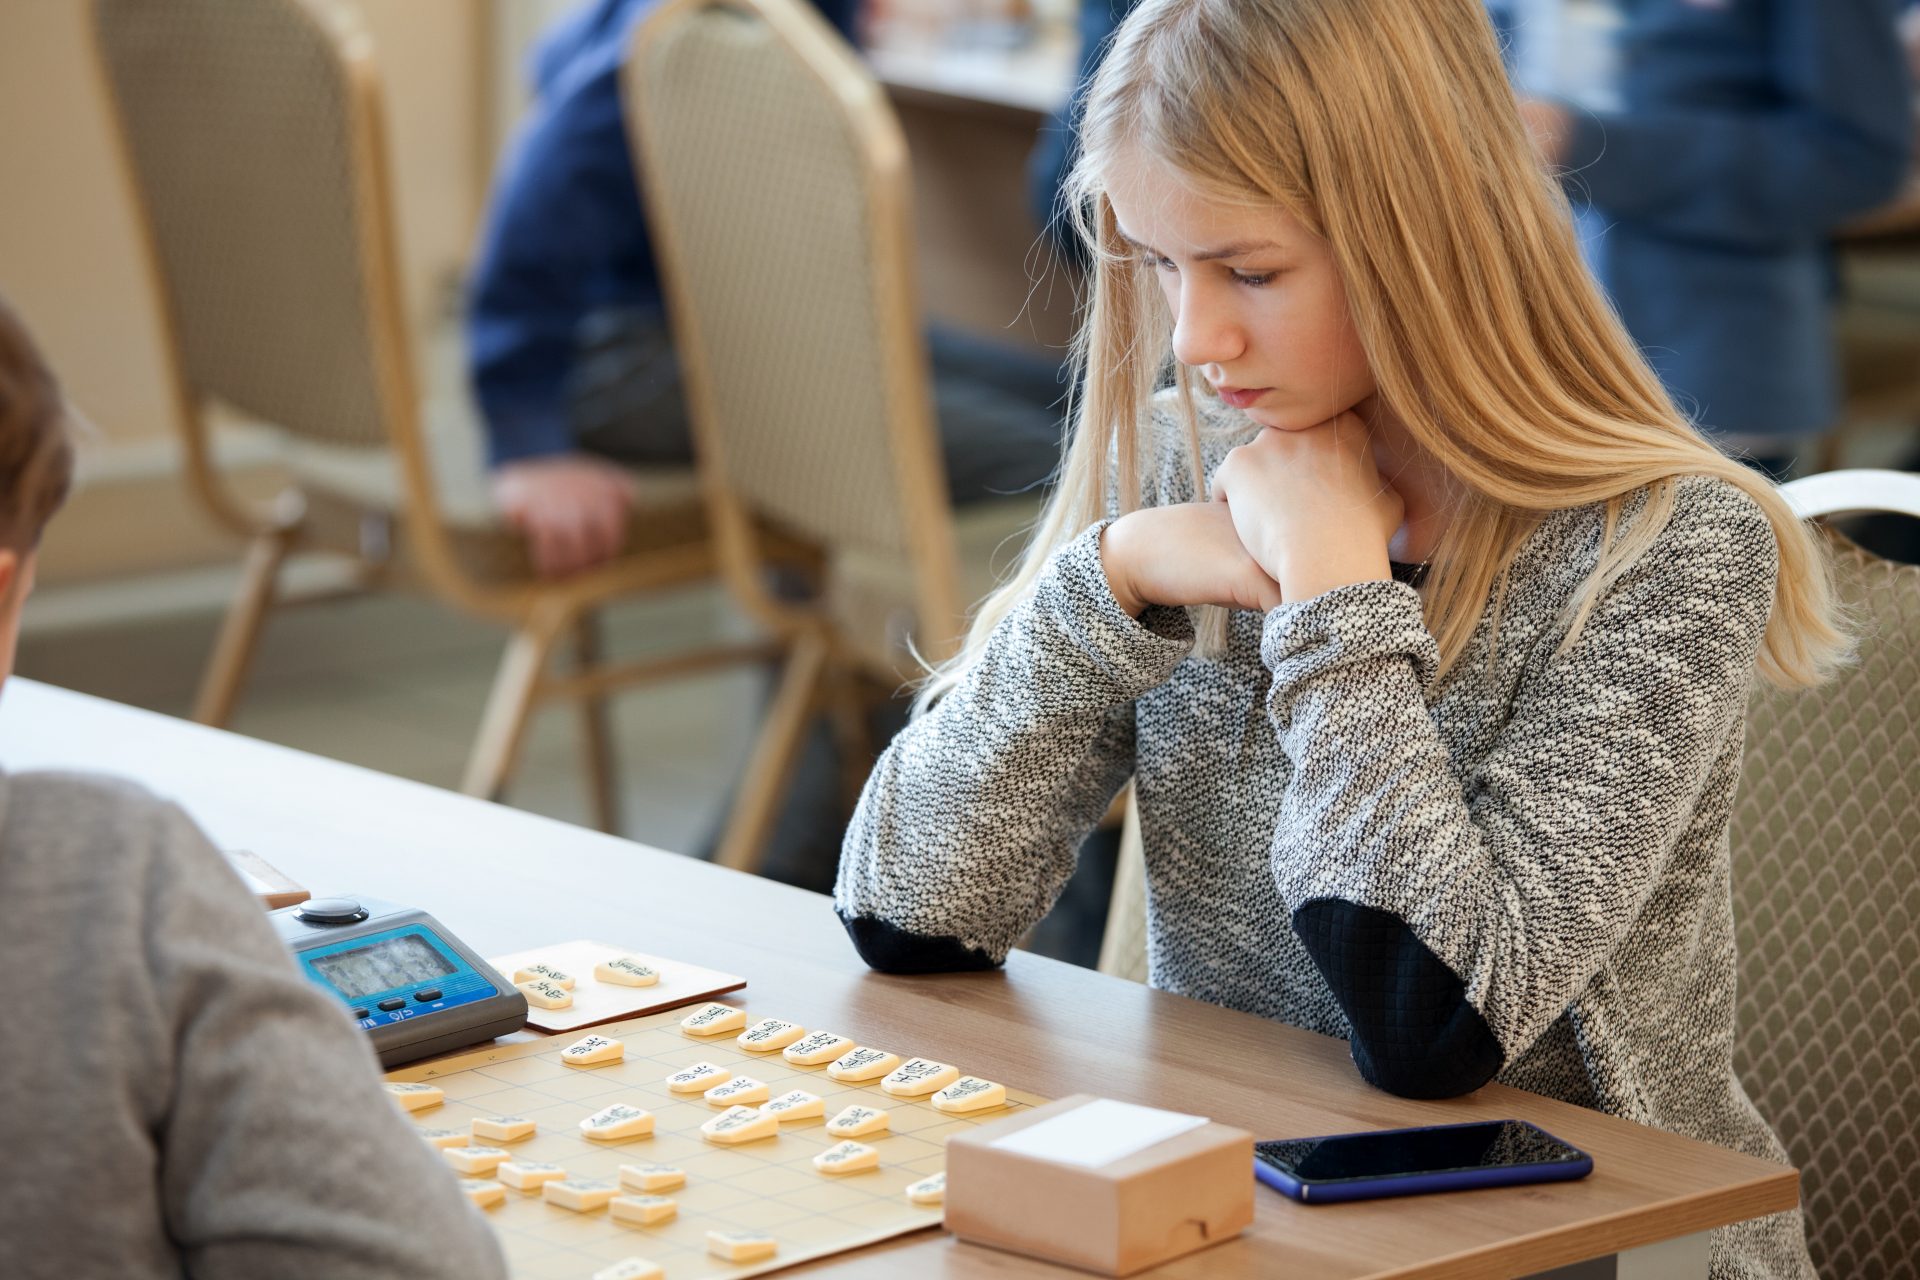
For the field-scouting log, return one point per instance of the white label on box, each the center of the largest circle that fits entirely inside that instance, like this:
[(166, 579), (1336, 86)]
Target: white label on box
[(1099, 1133)]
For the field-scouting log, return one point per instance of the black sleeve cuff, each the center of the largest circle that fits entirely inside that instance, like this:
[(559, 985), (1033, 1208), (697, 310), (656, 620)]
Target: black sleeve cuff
[(1414, 1032), (890, 949)]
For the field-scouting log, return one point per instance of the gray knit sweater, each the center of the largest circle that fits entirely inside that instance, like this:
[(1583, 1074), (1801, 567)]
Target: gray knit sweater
[(175, 1098), (1519, 872)]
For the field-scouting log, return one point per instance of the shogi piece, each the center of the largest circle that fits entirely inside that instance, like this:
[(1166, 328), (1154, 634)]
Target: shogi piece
[(816, 1048), (476, 1161), (543, 993), (485, 1195), (769, 1034), (741, 1246), (593, 1051), (537, 972), (644, 1211), (626, 971), (919, 1077), (739, 1124), (650, 1178), (582, 1195), (619, 1121), (503, 1128), (970, 1093), (712, 1019), (632, 1269), (529, 1175), (416, 1097), (847, 1157), (1164, 1201)]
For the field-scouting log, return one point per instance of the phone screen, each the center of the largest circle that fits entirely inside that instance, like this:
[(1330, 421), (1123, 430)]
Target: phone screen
[(1405, 1152)]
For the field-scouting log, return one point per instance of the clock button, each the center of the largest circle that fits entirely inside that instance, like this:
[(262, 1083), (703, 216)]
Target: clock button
[(331, 911)]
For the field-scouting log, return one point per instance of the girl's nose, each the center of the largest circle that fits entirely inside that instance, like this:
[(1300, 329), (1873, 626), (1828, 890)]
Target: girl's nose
[(1204, 333)]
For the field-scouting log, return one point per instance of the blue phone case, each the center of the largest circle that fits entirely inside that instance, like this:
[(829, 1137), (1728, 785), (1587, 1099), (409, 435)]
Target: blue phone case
[(1414, 1184)]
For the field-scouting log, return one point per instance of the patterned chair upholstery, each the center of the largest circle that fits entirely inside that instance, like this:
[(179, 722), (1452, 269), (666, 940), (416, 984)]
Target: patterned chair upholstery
[(1826, 882)]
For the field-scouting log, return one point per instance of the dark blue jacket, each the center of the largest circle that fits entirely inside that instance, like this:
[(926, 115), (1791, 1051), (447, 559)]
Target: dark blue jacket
[(564, 235), (1748, 131)]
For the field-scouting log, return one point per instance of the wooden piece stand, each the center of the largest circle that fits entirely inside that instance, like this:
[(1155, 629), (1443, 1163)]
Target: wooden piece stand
[(1171, 1199)]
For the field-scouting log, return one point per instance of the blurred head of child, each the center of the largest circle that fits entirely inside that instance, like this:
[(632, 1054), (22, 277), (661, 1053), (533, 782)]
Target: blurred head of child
[(36, 467)]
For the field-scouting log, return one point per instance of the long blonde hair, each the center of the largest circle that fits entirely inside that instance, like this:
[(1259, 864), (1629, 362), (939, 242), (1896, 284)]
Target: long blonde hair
[(1389, 129)]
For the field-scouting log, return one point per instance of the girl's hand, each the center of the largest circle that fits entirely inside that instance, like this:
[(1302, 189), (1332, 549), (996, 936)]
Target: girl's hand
[(1184, 554), (1310, 506)]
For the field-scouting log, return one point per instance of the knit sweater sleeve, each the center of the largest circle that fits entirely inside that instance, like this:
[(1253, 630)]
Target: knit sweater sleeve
[(1456, 917), (969, 824)]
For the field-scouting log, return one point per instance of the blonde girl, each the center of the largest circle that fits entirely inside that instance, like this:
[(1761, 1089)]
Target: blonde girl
[(1421, 620)]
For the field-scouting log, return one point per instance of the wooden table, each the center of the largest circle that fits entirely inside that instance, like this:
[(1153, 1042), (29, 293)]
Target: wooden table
[(505, 880)]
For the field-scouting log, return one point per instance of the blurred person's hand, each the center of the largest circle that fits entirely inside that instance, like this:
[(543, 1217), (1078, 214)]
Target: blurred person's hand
[(1548, 124), (572, 508)]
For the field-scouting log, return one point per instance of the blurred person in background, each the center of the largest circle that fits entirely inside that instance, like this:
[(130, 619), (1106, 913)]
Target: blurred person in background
[(1714, 147), (572, 362), (1057, 148), (571, 358), (1895, 536)]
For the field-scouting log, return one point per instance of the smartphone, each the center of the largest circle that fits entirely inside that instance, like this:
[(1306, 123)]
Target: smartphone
[(1411, 1162)]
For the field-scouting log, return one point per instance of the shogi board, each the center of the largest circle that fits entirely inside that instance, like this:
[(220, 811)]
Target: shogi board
[(769, 1185), (595, 1002)]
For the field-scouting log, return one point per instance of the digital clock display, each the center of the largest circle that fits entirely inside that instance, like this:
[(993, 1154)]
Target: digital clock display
[(403, 961)]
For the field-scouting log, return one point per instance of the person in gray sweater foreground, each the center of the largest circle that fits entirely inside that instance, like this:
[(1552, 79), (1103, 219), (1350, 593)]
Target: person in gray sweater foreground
[(1424, 631), (175, 1098)]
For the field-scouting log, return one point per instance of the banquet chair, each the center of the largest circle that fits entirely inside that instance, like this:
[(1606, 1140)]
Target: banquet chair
[(778, 190), (1826, 885), (254, 144)]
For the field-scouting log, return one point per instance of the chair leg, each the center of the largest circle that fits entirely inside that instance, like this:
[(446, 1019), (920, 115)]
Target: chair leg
[(515, 687), (596, 730), (852, 739), (240, 632), (743, 844)]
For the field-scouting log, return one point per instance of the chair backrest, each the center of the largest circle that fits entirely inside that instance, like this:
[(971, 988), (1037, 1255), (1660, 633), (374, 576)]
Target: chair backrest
[(1826, 882), (1856, 491), (240, 130), (776, 179), (255, 144)]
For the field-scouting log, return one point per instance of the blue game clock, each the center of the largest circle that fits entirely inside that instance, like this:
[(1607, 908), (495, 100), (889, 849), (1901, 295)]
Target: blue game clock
[(416, 988)]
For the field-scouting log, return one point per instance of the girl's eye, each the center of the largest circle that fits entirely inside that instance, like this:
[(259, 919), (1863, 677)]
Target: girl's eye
[(1158, 263), (1254, 281)]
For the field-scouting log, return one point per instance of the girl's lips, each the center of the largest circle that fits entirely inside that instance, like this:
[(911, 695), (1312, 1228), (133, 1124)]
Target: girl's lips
[(1241, 397)]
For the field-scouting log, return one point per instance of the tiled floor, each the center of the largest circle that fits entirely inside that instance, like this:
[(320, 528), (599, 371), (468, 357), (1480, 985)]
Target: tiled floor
[(396, 683)]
